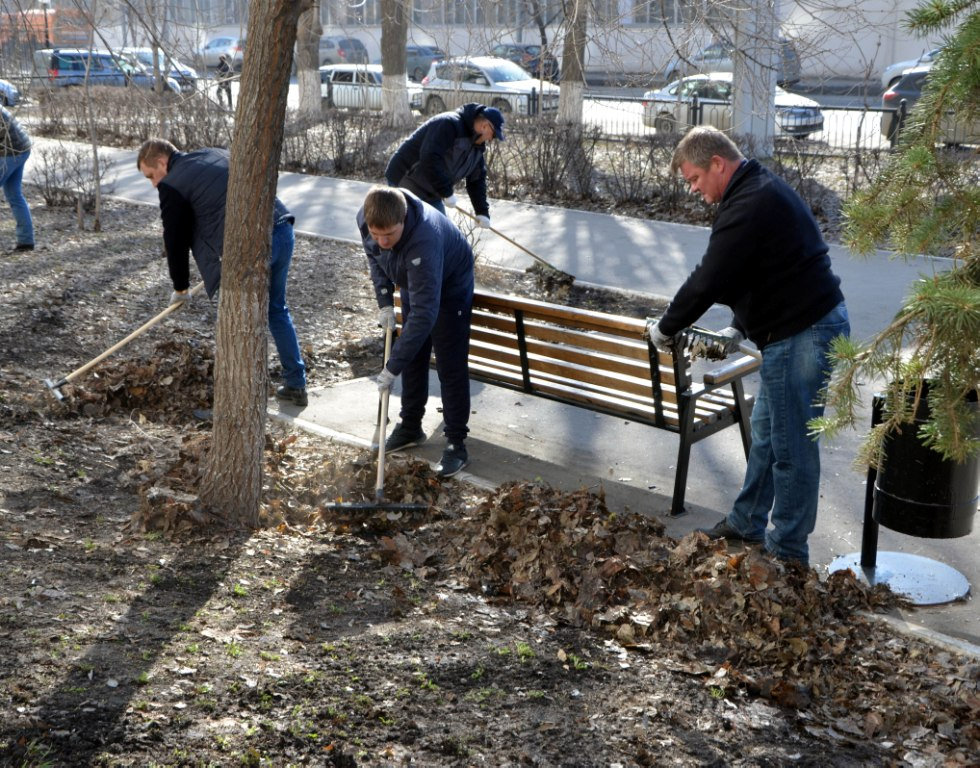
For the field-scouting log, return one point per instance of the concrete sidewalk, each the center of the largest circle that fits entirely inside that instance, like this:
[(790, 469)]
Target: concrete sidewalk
[(514, 437)]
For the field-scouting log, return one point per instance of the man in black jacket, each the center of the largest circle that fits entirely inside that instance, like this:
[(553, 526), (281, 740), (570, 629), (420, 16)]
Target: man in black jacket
[(193, 187), (411, 245), (445, 149), (768, 262)]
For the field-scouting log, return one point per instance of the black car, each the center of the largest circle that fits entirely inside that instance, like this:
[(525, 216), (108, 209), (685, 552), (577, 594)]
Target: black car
[(908, 90), (529, 57), (342, 50)]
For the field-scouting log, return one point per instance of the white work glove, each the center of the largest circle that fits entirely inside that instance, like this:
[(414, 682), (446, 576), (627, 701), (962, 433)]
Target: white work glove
[(449, 202), (483, 221), (733, 337), (660, 340), (386, 318), (178, 297), (384, 380)]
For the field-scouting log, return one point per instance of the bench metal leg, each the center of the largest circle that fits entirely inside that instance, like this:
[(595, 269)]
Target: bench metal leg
[(686, 415), (743, 415)]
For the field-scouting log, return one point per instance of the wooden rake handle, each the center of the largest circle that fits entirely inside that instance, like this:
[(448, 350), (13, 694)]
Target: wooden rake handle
[(516, 244), (120, 344)]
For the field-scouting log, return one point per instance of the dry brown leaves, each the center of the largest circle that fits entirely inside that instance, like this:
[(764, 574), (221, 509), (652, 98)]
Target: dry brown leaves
[(740, 620), (745, 620)]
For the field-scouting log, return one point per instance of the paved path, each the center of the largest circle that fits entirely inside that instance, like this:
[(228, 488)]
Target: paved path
[(516, 437)]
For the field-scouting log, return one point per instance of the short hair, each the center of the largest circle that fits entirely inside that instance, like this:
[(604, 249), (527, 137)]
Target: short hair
[(151, 149), (700, 145), (384, 207)]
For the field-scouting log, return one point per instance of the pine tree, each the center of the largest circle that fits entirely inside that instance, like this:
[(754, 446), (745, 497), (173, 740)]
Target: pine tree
[(926, 201)]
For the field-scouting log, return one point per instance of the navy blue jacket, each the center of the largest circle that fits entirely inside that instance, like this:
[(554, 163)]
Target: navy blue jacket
[(766, 260), (440, 153), (432, 263), (192, 206)]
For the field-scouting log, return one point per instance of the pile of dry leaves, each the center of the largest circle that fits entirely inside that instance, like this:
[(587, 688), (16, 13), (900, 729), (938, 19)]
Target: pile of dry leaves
[(742, 620)]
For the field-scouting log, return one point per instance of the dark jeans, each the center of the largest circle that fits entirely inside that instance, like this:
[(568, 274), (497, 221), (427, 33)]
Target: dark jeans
[(450, 338)]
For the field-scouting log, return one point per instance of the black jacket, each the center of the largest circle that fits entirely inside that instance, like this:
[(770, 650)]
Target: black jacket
[(432, 263), (440, 153), (766, 260), (192, 206)]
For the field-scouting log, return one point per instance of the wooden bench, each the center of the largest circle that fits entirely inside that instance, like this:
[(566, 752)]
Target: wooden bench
[(605, 363)]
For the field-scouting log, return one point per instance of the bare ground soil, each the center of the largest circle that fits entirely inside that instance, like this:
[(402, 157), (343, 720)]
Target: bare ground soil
[(521, 626)]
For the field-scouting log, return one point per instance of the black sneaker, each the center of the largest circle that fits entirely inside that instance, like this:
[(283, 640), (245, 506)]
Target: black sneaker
[(454, 459), (292, 395), (403, 437), (724, 531)]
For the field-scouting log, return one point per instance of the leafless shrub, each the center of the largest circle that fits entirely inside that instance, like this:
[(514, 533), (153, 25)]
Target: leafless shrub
[(127, 116), (66, 175), (542, 154), (344, 142)]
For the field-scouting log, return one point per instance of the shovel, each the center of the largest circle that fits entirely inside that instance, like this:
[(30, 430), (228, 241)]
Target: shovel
[(55, 386), (560, 277), (379, 503)]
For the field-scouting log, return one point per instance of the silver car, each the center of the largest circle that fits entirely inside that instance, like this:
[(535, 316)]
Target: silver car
[(489, 80), (671, 109), (358, 86), (233, 47)]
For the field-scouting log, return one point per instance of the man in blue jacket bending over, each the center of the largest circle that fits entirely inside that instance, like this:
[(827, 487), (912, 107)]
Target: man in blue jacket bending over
[(193, 188), (445, 149), (412, 245)]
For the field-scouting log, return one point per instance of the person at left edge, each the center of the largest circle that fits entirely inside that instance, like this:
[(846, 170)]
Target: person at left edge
[(16, 149), (445, 149), (193, 187), (410, 244)]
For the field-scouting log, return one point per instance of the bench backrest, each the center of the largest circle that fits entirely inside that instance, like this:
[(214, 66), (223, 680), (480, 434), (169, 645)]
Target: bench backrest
[(596, 360)]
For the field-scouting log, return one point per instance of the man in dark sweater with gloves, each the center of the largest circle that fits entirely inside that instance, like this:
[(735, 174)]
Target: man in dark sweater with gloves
[(193, 189), (445, 149), (767, 261), (411, 245)]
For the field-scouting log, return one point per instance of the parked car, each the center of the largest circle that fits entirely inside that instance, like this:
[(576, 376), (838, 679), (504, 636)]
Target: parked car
[(893, 72), (233, 47), (70, 67), (529, 57), (670, 108), (909, 89), (489, 80), (419, 59), (185, 76), (9, 95), (342, 50), (717, 57), (358, 86)]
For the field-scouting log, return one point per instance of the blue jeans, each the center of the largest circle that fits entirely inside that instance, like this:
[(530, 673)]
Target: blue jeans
[(11, 177), (782, 480), (280, 321)]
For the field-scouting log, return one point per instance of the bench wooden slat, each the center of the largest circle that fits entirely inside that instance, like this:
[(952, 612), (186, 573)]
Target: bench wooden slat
[(604, 363)]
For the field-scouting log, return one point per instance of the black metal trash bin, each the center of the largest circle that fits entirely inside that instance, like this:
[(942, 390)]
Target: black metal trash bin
[(920, 493)]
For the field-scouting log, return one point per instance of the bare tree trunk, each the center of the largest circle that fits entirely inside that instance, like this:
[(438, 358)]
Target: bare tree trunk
[(570, 100), (394, 83), (308, 33), (232, 483), (754, 64)]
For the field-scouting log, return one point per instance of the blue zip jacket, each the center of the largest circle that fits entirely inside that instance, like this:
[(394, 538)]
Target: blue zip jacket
[(432, 263), (438, 154), (192, 207)]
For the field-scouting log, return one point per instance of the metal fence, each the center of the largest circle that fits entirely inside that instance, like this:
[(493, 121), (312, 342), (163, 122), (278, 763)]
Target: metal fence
[(846, 129)]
